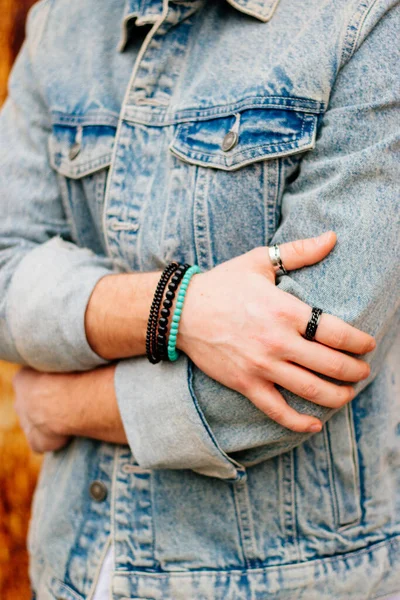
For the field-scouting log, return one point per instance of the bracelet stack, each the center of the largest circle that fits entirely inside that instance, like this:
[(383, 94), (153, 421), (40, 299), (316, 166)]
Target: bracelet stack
[(157, 346)]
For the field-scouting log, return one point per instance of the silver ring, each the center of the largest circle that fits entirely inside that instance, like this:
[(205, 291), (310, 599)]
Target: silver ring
[(276, 260)]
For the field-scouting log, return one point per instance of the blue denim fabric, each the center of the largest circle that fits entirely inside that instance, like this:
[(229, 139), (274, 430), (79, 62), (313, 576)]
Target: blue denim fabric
[(111, 161)]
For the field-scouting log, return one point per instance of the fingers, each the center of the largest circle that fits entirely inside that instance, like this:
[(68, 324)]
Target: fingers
[(301, 253), (334, 332), (267, 399), (311, 387), (326, 361)]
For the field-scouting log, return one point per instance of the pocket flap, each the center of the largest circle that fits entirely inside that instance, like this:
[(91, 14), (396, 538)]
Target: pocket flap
[(259, 134), (76, 151)]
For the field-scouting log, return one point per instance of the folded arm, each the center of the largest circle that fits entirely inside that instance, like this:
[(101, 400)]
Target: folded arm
[(348, 184), (189, 420)]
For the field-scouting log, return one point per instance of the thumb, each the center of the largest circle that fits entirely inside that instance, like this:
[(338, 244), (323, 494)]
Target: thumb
[(309, 251)]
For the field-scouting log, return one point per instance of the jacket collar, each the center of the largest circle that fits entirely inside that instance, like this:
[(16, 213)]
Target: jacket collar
[(260, 9), (150, 10)]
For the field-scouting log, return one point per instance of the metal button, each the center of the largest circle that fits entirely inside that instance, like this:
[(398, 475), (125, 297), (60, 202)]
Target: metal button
[(74, 151), (77, 145), (98, 491), (229, 141)]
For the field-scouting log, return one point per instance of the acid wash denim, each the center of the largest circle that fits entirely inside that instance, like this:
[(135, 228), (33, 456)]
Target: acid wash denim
[(111, 161)]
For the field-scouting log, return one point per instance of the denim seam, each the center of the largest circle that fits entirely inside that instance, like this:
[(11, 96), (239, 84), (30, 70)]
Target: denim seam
[(112, 502), (88, 168), (253, 13), (288, 514), (294, 144), (240, 526), (201, 221), (161, 118), (390, 541), (353, 30), (99, 117), (334, 498), (356, 467), (195, 158), (150, 35)]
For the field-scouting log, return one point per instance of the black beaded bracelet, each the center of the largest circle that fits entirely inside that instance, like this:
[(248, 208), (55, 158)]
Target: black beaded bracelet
[(162, 348), (151, 333)]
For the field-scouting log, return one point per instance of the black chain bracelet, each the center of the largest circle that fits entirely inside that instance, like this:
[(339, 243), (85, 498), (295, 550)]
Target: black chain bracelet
[(162, 348), (151, 333)]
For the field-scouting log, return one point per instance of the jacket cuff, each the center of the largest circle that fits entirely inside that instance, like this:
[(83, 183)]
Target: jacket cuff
[(163, 421), (46, 304)]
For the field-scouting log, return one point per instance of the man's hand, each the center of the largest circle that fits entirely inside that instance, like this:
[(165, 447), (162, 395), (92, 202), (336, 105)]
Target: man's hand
[(52, 407), (245, 332), (36, 406)]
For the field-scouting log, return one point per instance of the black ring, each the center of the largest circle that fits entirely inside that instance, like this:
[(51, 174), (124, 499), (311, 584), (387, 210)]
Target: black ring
[(313, 323)]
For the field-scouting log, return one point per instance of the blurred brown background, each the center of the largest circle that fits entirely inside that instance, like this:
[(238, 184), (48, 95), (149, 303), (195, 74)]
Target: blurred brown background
[(18, 465)]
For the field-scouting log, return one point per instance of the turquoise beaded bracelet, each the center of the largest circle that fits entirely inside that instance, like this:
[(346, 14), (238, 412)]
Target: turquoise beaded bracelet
[(173, 354)]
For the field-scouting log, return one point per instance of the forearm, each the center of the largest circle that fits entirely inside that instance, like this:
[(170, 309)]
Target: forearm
[(117, 313), (88, 406)]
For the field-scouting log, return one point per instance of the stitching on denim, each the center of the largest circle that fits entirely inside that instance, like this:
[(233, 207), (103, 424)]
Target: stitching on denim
[(182, 130), (87, 168), (107, 198), (294, 511), (340, 522), (91, 118), (281, 493), (353, 30), (253, 13), (390, 541), (291, 148), (240, 526), (246, 525), (287, 488), (157, 117), (201, 221), (356, 467), (112, 503), (334, 497)]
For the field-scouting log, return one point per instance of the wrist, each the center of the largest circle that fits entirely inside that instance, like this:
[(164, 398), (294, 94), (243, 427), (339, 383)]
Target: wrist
[(117, 313)]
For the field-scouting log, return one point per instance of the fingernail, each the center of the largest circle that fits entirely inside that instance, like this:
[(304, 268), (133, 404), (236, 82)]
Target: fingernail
[(321, 239), (315, 428)]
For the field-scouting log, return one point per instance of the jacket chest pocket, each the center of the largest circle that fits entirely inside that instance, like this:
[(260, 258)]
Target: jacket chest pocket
[(240, 160), (81, 156)]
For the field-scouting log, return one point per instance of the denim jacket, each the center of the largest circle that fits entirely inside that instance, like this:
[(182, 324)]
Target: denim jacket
[(112, 161)]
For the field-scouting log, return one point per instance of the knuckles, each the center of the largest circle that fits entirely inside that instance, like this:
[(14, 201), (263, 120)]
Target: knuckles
[(339, 338), (299, 248), (337, 367), (309, 391)]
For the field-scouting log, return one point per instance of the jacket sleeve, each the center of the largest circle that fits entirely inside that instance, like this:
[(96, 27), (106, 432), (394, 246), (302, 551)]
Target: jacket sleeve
[(45, 279), (349, 183)]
